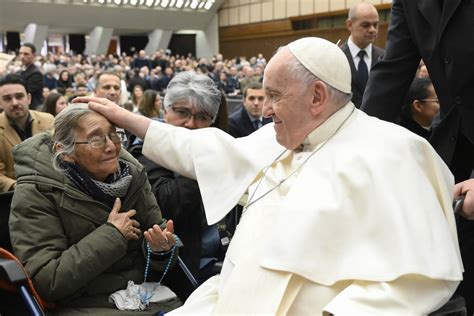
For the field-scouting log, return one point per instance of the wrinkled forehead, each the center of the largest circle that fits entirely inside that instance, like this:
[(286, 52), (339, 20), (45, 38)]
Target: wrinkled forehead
[(93, 122)]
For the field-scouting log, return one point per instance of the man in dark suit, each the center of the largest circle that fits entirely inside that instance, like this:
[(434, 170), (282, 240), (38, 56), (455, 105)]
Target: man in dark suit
[(249, 118), (441, 33), (363, 23), (31, 74)]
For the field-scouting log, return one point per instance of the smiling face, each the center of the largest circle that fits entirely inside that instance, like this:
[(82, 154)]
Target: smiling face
[(99, 163), (288, 102)]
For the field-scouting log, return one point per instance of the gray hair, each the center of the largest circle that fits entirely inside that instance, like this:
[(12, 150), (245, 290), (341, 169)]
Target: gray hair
[(298, 72), (65, 125), (198, 89)]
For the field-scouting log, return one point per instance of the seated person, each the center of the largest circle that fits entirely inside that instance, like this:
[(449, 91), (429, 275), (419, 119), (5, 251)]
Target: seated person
[(420, 108), (17, 123), (79, 215), (191, 101)]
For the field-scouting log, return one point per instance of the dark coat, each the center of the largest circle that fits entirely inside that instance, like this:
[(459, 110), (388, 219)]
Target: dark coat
[(443, 39), (34, 84), (240, 124), (357, 87)]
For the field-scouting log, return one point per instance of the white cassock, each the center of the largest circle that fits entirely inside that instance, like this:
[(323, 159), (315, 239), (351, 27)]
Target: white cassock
[(364, 224)]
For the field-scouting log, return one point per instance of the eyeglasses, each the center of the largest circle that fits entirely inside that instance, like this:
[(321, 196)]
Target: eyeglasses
[(100, 141), (430, 100), (186, 114)]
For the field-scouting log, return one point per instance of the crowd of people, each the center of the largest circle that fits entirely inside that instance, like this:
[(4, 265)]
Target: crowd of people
[(75, 75), (117, 173)]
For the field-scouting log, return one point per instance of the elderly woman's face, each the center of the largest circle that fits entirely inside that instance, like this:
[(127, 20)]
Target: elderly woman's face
[(100, 162), (185, 114)]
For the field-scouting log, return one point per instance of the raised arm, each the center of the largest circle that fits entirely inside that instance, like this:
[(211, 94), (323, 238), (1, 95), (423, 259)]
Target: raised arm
[(134, 123)]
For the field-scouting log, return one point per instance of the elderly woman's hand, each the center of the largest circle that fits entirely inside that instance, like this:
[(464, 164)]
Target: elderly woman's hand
[(129, 227), (161, 240)]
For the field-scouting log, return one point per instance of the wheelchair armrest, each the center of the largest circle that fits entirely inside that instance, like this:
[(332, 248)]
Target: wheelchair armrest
[(13, 272)]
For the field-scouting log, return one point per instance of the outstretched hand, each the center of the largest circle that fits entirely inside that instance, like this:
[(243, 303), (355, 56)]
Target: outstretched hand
[(129, 227), (104, 106), (136, 124), (466, 188), (161, 240)]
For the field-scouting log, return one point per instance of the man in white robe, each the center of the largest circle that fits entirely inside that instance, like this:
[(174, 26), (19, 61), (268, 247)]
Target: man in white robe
[(347, 214)]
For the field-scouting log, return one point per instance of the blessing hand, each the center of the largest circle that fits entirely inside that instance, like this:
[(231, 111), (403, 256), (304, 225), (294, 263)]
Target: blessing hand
[(161, 240)]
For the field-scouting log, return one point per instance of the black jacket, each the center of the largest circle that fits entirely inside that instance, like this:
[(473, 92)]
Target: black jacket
[(34, 83), (357, 87), (442, 37), (240, 124)]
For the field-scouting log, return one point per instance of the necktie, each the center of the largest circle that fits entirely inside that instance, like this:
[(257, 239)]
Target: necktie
[(362, 70), (257, 124)]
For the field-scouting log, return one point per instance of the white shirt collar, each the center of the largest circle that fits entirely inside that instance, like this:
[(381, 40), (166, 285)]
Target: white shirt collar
[(354, 49)]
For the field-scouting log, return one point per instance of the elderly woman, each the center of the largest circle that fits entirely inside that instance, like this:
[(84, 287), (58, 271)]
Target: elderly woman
[(78, 213), (191, 101)]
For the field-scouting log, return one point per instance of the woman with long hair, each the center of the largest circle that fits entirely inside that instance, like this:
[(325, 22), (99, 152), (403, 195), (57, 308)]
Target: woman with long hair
[(151, 105), (54, 103)]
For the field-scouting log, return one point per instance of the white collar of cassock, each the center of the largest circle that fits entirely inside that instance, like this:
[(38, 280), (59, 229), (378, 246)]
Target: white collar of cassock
[(326, 129)]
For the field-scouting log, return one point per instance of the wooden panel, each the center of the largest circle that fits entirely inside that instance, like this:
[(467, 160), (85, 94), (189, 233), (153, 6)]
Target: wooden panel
[(279, 9), (292, 8), (224, 17), (337, 5), (234, 16), (267, 11), (244, 15), (267, 43), (255, 12), (306, 7), (254, 29), (321, 6)]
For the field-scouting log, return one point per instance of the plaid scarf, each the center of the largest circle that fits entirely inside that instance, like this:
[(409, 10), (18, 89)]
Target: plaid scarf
[(115, 185)]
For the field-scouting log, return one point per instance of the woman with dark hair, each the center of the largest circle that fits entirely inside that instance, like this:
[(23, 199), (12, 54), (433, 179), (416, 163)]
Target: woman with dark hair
[(137, 96), (420, 108), (151, 105), (54, 103), (65, 81)]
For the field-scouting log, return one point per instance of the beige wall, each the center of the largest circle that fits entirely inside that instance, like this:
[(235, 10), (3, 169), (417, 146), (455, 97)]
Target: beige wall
[(236, 12)]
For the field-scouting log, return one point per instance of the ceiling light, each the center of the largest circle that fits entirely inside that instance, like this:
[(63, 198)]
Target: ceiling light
[(179, 3), (194, 4), (157, 3), (133, 2), (118, 2), (149, 3), (164, 3), (208, 5)]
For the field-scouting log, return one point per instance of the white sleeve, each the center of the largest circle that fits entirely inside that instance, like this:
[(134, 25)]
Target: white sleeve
[(407, 295), (223, 166)]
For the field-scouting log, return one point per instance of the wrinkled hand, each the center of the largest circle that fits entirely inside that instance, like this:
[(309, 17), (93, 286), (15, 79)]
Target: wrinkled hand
[(161, 240), (466, 188), (129, 227), (105, 107)]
